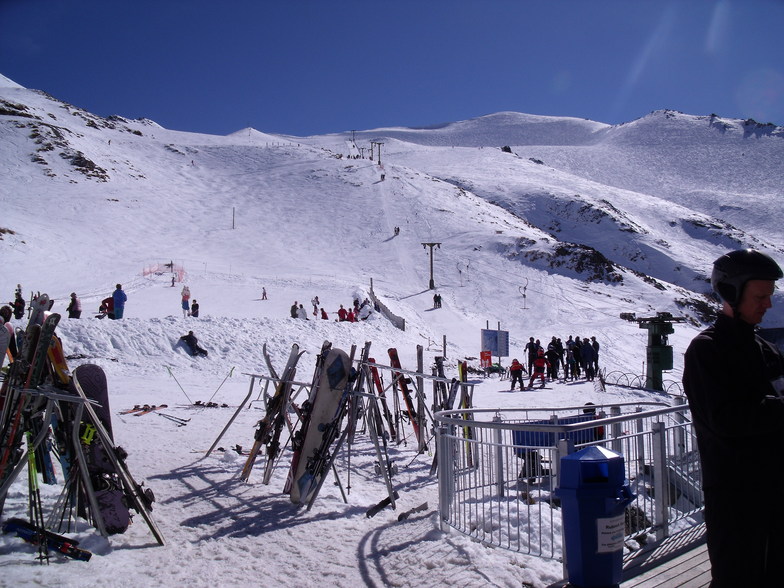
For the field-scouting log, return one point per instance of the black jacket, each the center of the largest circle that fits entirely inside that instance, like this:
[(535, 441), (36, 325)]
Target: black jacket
[(739, 424)]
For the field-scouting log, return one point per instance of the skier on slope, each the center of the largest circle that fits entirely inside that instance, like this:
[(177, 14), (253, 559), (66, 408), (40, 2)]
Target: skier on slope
[(516, 371), (539, 366), (74, 307)]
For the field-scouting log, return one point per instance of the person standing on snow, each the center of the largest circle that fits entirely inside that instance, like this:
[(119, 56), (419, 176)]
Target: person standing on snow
[(531, 348), (119, 299), (516, 371), (186, 296), (595, 345), (587, 358), (540, 365), (734, 381), (74, 307), (293, 310), (18, 304)]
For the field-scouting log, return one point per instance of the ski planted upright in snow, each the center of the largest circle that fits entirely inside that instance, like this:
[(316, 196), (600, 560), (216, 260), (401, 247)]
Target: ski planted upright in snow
[(277, 406), (400, 380)]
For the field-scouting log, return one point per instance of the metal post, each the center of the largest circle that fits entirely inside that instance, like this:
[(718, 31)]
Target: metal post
[(446, 474), (499, 457), (616, 430), (431, 245), (660, 481)]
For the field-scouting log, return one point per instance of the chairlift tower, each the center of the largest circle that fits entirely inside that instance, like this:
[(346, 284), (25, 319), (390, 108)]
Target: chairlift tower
[(375, 144), (431, 245), (658, 352)]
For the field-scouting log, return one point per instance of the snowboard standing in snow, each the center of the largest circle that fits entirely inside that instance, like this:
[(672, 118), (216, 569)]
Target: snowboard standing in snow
[(111, 460), (102, 473), (321, 423)]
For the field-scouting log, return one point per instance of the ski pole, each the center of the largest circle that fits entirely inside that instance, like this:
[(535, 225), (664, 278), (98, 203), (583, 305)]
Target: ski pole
[(178, 383), (231, 371)]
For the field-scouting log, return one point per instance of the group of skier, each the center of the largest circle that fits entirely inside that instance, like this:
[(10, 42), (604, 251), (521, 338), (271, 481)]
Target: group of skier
[(356, 312), (577, 358)]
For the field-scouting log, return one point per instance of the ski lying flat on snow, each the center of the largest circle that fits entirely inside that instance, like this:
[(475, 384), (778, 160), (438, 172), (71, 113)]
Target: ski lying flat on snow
[(404, 515), (53, 541)]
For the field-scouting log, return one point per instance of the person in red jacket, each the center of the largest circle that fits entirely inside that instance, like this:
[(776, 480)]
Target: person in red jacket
[(539, 367), (516, 371)]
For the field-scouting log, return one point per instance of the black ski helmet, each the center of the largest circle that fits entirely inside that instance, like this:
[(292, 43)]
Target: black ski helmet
[(732, 270)]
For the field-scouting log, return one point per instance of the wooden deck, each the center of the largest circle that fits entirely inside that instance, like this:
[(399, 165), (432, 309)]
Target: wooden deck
[(679, 561)]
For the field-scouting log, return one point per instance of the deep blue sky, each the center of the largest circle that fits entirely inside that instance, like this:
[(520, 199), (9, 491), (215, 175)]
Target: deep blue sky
[(305, 67)]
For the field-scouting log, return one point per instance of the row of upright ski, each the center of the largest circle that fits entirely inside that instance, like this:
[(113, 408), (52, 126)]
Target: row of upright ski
[(52, 416), (341, 397)]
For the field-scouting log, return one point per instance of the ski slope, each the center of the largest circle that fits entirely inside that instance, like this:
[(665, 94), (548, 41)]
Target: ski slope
[(656, 199)]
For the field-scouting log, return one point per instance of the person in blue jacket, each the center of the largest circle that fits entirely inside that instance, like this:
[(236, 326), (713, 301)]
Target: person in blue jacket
[(119, 298)]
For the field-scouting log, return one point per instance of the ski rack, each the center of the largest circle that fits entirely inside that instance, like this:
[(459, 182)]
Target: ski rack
[(54, 396), (370, 411), (399, 373), (262, 394)]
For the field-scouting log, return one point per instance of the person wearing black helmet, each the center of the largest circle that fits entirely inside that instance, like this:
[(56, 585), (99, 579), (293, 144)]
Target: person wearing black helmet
[(734, 381)]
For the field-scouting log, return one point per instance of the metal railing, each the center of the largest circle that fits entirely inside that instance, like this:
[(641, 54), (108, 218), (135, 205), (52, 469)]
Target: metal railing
[(498, 470)]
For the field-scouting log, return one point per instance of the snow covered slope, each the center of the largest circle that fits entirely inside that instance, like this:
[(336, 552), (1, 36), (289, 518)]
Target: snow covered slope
[(547, 226)]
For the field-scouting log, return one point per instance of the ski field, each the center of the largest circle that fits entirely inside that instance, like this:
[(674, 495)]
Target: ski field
[(576, 223)]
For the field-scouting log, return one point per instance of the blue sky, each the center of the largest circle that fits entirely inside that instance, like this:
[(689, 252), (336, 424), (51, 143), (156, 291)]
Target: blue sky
[(305, 67)]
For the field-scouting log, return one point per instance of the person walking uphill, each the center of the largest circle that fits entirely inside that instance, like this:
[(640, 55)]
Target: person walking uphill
[(119, 298), (734, 381)]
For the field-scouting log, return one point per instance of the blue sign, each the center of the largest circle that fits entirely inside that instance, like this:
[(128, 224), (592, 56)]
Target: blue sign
[(496, 342)]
